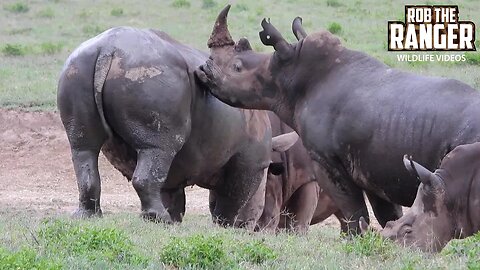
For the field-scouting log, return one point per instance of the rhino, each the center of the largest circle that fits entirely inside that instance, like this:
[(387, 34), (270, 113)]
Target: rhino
[(447, 202), (293, 198), (356, 116), (132, 94)]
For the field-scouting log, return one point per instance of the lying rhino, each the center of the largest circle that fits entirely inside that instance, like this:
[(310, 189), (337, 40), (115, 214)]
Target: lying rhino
[(356, 116), (132, 93), (447, 204), (293, 198)]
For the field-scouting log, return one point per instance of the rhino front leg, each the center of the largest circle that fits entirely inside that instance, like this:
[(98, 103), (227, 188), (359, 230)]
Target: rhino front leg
[(240, 186), (345, 194), (301, 207), (384, 211), (174, 202), (148, 179)]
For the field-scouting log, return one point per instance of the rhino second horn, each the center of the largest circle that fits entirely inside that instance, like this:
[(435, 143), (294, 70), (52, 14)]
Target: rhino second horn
[(283, 142), (220, 36), (423, 174)]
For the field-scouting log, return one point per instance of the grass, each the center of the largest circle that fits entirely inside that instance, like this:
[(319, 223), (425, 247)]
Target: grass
[(334, 28), (124, 241), (26, 25)]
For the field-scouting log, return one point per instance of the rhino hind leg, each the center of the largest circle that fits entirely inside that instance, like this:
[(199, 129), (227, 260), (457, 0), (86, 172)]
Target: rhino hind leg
[(149, 179), (86, 136), (384, 211)]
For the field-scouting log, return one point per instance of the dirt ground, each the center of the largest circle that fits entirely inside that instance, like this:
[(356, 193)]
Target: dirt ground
[(36, 172)]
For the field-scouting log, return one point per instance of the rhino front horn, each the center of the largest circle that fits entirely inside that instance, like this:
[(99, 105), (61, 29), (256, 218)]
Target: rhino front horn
[(220, 36)]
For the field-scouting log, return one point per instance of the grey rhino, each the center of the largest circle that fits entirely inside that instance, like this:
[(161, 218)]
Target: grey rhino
[(447, 202), (132, 94), (356, 116)]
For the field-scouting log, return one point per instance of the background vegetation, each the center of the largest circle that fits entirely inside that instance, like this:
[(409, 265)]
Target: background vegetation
[(37, 35)]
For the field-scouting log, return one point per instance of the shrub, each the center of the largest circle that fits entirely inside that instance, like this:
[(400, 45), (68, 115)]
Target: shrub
[(206, 4), (333, 3), (90, 242), (257, 252), (17, 7), (51, 48), (196, 251), (117, 12), (92, 29), (334, 28), (181, 3), (472, 58), (14, 50), (468, 247), (46, 13), (368, 244), (25, 259)]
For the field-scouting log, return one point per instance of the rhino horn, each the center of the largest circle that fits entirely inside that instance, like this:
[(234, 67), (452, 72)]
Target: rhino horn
[(283, 142), (220, 36), (423, 174)]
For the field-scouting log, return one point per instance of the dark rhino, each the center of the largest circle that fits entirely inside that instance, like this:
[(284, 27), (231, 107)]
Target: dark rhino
[(447, 203), (357, 117), (293, 198), (132, 93)]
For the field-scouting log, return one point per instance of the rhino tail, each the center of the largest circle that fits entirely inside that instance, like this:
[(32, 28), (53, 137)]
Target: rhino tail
[(102, 67)]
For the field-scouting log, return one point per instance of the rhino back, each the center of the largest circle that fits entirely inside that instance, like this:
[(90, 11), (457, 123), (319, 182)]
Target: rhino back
[(367, 123)]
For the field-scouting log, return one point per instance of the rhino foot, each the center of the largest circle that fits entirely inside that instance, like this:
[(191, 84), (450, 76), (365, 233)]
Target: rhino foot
[(86, 213)]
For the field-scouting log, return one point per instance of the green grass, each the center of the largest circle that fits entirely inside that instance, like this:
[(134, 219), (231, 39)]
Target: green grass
[(124, 241), (26, 25), (334, 28)]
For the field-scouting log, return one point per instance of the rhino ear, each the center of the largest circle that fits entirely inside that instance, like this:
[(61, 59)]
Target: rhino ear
[(423, 174), (243, 45), (297, 28), (270, 36), (282, 143)]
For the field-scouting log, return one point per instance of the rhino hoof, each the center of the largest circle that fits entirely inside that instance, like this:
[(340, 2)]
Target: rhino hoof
[(85, 213), (156, 217)]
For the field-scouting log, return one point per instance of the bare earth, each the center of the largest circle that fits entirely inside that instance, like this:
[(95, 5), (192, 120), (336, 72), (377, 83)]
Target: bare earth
[(36, 172)]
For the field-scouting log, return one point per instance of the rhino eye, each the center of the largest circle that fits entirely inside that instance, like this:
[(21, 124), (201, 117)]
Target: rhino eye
[(406, 229), (237, 66)]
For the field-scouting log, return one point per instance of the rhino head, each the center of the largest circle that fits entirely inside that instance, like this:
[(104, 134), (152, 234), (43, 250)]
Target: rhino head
[(428, 225), (243, 78)]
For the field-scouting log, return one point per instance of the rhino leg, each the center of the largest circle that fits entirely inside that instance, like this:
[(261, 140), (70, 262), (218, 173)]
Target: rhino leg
[(301, 207), (85, 133), (384, 211), (345, 194), (148, 180), (273, 203), (252, 211), (174, 202), (240, 184)]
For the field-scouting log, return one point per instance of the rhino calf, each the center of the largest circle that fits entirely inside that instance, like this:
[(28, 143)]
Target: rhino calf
[(447, 202), (294, 199)]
